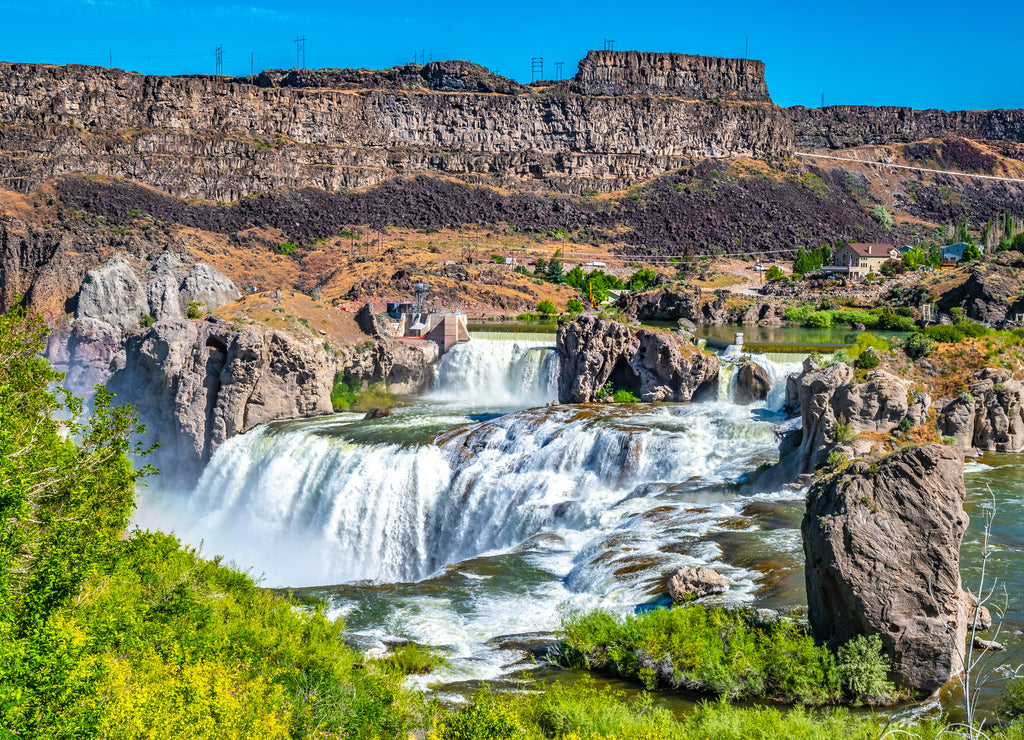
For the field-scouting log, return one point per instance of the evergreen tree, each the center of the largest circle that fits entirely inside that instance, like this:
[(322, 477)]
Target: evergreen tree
[(554, 273)]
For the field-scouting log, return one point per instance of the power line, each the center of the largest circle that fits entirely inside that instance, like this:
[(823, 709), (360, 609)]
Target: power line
[(219, 52), (609, 44), (558, 70), (300, 53), (536, 68), (908, 167)]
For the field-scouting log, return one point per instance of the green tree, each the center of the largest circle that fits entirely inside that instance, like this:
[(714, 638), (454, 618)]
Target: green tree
[(960, 233), (546, 307), (641, 278), (775, 273), (971, 253), (63, 504), (541, 267), (1018, 242), (574, 306), (554, 272), (576, 278), (881, 215)]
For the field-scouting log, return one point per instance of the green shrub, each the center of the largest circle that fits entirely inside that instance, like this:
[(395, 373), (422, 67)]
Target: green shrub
[(844, 431), (837, 460), (574, 306), (622, 396), (286, 248), (546, 308), (948, 441), (863, 671), (486, 717), (1011, 704), (797, 314), (194, 310), (882, 216), (775, 273), (868, 360), (605, 391), (735, 653), (819, 320), (918, 345), (410, 659), (146, 321)]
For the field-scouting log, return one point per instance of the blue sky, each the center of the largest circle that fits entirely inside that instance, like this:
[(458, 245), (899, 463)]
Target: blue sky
[(936, 54)]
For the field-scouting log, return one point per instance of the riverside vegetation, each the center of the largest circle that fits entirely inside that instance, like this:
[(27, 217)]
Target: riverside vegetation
[(117, 634)]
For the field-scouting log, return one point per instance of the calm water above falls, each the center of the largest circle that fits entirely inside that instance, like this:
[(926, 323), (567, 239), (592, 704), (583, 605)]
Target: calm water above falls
[(514, 515)]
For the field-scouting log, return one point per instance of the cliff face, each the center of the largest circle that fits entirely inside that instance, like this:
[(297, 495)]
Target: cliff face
[(680, 75), (846, 126), (225, 139)]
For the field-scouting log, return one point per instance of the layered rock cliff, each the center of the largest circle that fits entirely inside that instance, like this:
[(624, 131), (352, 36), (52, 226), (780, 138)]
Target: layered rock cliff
[(847, 126), (225, 139), (679, 75)]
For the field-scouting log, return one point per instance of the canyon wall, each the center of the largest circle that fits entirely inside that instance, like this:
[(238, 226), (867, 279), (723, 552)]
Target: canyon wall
[(218, 139), (845, 126)]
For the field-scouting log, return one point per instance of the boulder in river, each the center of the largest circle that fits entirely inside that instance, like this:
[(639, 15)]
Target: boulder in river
[(752, 383), (882, 547), (653, 365), (694, 581)]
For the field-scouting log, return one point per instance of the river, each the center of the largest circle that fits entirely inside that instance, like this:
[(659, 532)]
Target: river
[(471, 519)]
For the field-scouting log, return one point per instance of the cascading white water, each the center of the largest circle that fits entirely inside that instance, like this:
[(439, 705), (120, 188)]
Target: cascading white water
[(495, 526), (779, 367), (499, 372), (308, 507)]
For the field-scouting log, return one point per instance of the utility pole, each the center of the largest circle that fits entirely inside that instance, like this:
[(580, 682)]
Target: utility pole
[(536, 68), (746, 47), (823, 100), (252, 63), (558, 70), (609, 44), (300, 53), (219, 52), (111, 58)]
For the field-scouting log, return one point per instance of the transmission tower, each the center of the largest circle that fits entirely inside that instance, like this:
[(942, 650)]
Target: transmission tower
[(219, 53), (558, 70), (536, 68), (609, 44), (300, 53)]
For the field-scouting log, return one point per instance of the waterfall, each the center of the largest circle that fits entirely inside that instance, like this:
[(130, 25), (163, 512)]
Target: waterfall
[(499, 372), (778, 366), (305, 506)]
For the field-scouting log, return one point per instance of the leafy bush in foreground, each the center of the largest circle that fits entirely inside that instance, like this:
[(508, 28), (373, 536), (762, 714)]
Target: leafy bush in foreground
[(729, 653)]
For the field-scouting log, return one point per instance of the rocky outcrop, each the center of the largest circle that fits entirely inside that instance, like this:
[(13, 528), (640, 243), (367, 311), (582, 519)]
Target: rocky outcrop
[(679, 75), (442, 76), (835, 411), (882, 548), (694, 582), (221, 139), (990, 416), (752, 383), (999, 405), (196, 384), (118, 294), (653, 365)]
